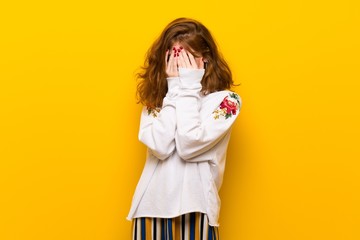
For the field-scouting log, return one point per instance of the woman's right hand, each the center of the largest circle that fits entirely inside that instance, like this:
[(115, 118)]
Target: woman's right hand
[(172, 64)]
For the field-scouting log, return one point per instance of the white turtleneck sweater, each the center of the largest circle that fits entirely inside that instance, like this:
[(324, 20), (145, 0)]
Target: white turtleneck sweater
[(187, 140)]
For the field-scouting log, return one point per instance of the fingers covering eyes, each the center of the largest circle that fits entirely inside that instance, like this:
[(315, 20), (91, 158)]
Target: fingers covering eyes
[(171, 62), (192, 61), (180, 59), (186, 60)]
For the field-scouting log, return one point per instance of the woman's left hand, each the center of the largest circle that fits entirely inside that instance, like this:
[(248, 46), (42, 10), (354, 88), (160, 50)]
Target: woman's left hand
[(191, 70), (187, 60)]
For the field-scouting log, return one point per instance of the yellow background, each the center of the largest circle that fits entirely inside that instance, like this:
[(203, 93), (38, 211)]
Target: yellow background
[(69, 154)]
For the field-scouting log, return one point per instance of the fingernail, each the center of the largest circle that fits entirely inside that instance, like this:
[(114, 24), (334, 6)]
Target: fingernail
[(174, 48), (177, 54), (181, 47), (174, 54)]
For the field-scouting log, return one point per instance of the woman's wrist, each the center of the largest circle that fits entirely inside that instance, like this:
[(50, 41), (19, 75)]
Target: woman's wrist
[(191, 77), (173, 85)]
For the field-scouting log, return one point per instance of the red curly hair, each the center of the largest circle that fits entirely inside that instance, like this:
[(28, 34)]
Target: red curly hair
[(196, 39)]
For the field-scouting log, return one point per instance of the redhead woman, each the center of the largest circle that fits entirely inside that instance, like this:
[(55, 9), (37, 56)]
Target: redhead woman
[(186, 120)]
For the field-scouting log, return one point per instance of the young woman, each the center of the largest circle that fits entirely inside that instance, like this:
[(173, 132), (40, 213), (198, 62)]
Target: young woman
[(185, 123)]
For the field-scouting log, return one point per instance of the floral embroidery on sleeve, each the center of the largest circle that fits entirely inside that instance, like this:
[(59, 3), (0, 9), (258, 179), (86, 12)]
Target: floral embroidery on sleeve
[(153, 111), (228, 107)]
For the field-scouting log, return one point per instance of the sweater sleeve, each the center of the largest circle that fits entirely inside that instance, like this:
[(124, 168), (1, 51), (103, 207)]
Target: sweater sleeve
[(158, 125), (195, 136)]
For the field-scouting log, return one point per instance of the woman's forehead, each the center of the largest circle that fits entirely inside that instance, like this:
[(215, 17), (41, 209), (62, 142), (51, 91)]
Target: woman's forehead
[(177, 45), (185, 46)]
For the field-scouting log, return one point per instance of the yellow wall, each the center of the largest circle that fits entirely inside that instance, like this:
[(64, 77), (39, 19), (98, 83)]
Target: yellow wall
[(69, 154)]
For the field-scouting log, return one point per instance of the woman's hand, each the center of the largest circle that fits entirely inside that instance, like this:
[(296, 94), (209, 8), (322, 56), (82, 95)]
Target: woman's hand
[(187, 60), (180, 58), (171, 64)]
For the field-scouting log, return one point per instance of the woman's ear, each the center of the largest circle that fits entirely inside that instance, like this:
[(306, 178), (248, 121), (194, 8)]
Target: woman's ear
[(204, 60)]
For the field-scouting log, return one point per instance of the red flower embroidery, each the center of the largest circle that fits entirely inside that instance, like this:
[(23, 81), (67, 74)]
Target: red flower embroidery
[(228, 106)]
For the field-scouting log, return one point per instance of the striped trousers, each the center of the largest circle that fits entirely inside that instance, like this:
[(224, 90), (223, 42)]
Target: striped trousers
[(191, 226)]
